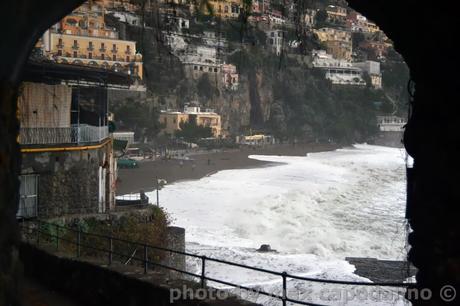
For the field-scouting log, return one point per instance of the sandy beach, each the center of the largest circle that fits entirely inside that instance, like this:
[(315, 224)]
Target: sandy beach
[(201, 165)]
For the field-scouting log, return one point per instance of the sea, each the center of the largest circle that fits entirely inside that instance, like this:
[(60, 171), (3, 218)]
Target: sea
[(313, 210)]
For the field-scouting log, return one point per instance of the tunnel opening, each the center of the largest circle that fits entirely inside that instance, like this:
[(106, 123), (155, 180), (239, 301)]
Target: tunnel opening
[(428, 138)]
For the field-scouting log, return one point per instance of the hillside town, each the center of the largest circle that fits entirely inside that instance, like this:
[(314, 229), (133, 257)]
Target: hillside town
[(89, 64)]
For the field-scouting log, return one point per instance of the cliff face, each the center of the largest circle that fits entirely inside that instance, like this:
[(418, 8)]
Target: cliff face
[(278, 94)]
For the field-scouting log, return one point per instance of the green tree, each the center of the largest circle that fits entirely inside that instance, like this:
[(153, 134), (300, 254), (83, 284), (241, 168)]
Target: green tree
[(142, 118), (191, 132)]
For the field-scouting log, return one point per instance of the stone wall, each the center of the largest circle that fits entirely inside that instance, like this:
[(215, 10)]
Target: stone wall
[(68, 180), (175, 241), (95, 285)]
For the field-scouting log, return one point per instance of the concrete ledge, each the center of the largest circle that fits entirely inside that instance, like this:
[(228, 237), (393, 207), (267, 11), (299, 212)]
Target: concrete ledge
[(91, 284)]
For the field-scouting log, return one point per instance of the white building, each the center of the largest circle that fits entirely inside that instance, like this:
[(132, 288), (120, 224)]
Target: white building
[(391, 123), (373, 69), (124, 136), (275, 39), (338, 71), (127, 17)]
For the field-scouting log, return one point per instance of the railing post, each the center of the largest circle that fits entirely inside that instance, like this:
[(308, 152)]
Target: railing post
[(38, 232), (284, 288), (203, 271), (110, 249), (78, 241), (145, 259), (57, 237)]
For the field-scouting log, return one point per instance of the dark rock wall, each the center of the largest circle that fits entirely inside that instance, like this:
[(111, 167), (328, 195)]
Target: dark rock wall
[(422, 33), (21, 23)]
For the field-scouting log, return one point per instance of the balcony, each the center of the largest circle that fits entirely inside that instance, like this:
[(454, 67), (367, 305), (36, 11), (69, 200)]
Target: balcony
[(114, 50), (102, 49), (60, 45), (90, 48), (81, 134), (76, 47), (128, 51)]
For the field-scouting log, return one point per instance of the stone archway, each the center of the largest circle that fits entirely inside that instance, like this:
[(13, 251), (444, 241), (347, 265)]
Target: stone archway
[(431, 136), (21, 24)]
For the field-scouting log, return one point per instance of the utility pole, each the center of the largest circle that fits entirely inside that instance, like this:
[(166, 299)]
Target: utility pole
[(158, 191)]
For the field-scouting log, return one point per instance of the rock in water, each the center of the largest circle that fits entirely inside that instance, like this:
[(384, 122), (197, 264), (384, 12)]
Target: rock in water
[(265, 248)]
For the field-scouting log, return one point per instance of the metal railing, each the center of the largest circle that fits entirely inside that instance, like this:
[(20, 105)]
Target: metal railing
[(63, 135), (203, 278)]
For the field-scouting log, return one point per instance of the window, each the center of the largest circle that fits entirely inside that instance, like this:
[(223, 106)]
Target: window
[(226, 9), (201, 68), (215, 69), (75, 43), (195, 68), (60, 41), (75, 54), (114, 47), (114, 57), (28, 196), (59, 53), (90, 44), (103, 56), (127, 59), (90, 55)]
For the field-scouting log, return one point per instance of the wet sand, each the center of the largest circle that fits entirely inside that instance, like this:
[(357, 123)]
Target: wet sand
[(201, 165)]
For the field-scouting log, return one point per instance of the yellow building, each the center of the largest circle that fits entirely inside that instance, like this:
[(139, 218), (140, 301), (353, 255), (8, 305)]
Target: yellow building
[(172, 120), (83, 38), (118, 55), (221, 8)]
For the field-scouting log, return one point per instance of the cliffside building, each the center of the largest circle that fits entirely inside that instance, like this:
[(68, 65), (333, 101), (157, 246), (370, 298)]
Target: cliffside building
[(338, 71), (336, 14), (82, 38), (338, 42), (173, 119), (220, 8)]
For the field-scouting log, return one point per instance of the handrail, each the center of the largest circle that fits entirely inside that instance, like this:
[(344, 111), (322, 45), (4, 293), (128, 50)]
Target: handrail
[(146, 262)]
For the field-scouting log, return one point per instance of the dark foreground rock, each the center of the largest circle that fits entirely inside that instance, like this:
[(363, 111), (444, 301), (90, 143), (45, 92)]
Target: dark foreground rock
[(391, 271)]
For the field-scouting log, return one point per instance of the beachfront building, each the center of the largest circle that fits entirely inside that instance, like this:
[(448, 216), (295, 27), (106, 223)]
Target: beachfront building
[(255, 140), (82, 38), (68, 165), (172, 120)]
